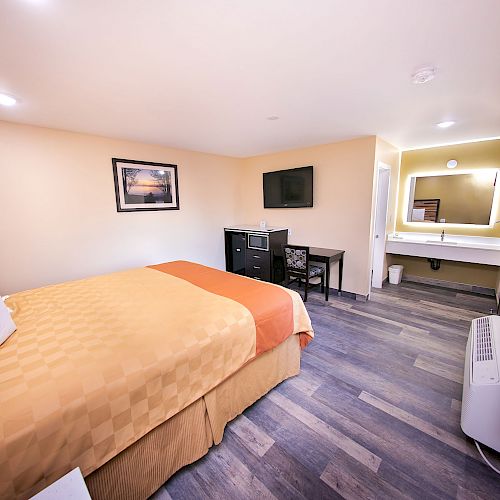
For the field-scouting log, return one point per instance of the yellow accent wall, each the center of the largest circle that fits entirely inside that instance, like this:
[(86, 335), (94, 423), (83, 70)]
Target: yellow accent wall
[(470, 156), (457, 272)]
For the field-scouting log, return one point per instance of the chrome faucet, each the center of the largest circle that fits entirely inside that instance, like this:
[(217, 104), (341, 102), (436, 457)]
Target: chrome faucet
[(442, 235)]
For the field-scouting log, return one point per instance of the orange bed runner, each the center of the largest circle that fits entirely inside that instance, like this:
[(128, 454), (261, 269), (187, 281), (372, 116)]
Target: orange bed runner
[(271, 306)]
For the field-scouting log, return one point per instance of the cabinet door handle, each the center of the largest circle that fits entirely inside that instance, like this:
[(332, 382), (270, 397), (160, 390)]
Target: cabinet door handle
[(256, 267), (256, 256), (238, 249)]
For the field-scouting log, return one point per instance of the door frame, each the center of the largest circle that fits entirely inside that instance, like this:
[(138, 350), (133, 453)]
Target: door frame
[(377, 265)]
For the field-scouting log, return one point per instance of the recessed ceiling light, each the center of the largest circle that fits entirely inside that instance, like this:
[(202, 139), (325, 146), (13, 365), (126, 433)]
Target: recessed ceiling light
[(452, 163), (273, 117), (7, 100), (446, 124), (423, 74)]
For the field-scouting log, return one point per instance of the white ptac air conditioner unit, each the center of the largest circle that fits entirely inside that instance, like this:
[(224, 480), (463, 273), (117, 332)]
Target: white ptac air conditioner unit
[(481, 393)]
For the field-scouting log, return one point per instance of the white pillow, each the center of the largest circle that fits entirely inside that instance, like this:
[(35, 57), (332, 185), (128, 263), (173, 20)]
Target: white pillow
[(7, 325)]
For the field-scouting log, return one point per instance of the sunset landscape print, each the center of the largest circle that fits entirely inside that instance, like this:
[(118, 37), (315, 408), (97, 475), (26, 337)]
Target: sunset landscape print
[(146, 186), (143, 186)]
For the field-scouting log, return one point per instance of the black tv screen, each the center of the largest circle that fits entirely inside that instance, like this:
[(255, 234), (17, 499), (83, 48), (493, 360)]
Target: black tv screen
[(289, 188)]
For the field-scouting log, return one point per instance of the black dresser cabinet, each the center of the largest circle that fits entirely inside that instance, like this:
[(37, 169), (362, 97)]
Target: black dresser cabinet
[(266, 263)]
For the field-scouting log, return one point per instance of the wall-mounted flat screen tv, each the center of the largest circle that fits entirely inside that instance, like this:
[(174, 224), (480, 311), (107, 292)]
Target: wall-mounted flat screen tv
[(289, 188)]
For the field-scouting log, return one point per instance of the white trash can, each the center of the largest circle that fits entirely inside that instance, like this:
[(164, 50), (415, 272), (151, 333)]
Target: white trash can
[(395, 274)]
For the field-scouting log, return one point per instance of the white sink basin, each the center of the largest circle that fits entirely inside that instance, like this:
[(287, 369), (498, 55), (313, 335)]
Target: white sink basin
[(476, 249), (439, 242)]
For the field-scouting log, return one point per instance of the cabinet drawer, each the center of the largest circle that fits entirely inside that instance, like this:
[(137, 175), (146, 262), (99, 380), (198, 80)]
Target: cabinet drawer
[(257, 265), (258, 259), (261, 277), (258, 271)]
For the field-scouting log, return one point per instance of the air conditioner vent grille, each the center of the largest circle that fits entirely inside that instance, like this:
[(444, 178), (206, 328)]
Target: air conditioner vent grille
[(484, 348)]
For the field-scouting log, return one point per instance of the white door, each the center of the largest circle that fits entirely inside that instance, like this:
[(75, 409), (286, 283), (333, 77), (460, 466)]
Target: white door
[(381, 203)]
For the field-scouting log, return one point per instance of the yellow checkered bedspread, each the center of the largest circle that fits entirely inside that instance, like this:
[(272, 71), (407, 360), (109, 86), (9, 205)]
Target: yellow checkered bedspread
[(96, 364)]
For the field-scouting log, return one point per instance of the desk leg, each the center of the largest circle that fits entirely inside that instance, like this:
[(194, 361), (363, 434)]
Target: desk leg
[(327, 279), (341, 271)]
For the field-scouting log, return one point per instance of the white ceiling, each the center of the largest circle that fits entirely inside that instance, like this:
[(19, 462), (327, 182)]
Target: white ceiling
[(204, 75)]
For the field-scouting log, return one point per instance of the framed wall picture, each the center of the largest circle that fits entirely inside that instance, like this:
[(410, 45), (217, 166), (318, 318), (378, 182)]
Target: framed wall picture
[(144, 185)]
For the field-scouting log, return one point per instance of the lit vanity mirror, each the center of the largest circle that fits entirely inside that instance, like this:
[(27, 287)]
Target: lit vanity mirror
[(454, 198)]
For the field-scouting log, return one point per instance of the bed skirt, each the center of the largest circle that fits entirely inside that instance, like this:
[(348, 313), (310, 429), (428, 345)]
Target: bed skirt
[(141, 469)]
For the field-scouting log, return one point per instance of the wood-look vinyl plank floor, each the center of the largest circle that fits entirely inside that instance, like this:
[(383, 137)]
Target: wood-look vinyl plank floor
[(375, 412)]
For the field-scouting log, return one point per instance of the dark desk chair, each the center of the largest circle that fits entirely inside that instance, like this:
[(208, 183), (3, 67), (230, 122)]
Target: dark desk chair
[(296, 259)]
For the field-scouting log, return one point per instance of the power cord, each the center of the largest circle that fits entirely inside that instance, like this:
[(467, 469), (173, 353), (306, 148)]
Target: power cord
[(485, 459)]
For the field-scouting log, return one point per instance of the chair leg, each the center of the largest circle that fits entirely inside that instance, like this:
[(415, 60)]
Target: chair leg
[(306, 287), (322, 283)]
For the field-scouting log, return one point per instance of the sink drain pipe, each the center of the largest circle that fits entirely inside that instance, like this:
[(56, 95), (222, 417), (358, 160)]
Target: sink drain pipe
[(435, 264)]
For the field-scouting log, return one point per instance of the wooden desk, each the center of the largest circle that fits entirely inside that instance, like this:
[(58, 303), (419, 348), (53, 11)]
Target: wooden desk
[(328, 256)]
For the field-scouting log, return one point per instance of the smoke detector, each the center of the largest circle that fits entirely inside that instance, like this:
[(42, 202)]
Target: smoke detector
[(423, 74)]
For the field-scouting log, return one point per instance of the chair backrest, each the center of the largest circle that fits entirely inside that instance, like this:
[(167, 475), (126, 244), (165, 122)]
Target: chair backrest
[(296, 259)]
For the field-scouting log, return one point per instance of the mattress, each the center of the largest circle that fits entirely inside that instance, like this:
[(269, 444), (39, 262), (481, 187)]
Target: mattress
[(139, 470), (96, 364)]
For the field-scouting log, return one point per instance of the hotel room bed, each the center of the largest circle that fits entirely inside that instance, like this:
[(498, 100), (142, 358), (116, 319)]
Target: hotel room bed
[(132, 375)]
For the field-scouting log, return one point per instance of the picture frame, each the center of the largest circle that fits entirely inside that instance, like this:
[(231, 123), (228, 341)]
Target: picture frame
[(144, 186)]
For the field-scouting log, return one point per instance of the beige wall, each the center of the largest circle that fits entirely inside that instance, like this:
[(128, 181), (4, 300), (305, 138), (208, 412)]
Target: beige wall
[(59, 220), (58, 215), (389, 155), (470, 156), (341, 216)]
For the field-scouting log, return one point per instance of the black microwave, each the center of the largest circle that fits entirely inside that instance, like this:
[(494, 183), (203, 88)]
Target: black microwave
[(257, 241)]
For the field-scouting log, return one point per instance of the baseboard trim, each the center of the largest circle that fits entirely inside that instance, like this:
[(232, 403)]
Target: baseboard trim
[(349, 295), (334, 293), (465, 287)]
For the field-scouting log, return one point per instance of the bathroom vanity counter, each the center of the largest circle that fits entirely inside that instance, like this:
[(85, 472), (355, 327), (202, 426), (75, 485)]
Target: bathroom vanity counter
[(475, 249)]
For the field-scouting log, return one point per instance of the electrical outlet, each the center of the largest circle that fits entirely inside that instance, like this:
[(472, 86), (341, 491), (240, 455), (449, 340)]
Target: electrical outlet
[(289, 232)]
